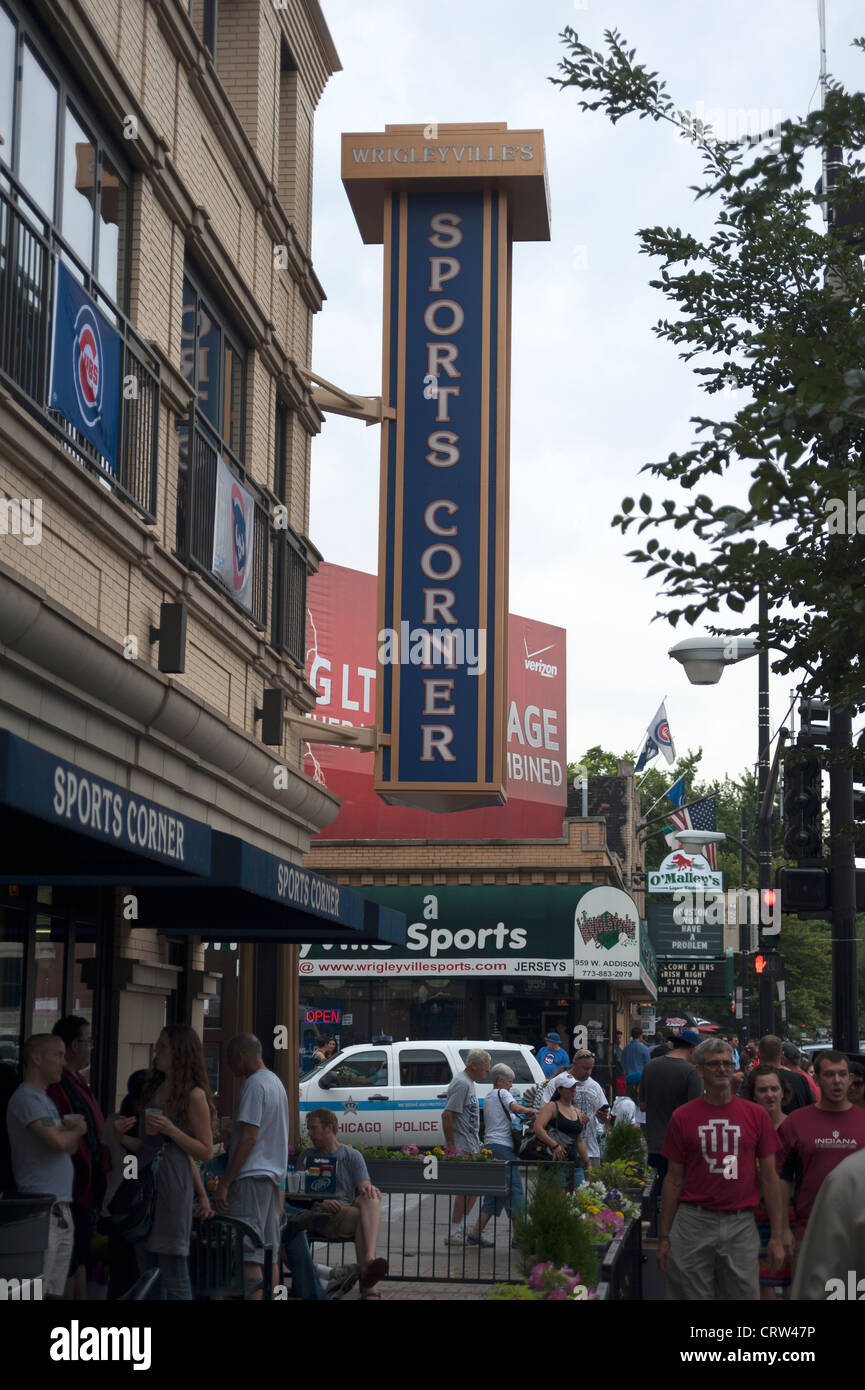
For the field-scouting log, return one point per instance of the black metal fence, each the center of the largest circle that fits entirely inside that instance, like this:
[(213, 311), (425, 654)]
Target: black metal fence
[(416, 1238), (29, 248)]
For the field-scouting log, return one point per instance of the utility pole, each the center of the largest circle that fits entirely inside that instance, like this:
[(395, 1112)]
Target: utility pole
[(744, 938), (842, 872), (765, 985)]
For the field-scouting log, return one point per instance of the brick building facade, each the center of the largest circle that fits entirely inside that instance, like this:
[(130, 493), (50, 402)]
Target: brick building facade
[(163, 151)]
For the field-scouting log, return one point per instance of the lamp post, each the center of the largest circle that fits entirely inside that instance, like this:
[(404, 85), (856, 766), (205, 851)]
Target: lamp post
[(704, 659)]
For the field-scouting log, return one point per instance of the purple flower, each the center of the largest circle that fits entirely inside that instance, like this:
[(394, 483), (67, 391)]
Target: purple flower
[(536, 1278), (556, 1293)]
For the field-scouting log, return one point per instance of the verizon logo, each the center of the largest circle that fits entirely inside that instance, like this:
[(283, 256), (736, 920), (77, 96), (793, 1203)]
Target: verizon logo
[(543, 668)]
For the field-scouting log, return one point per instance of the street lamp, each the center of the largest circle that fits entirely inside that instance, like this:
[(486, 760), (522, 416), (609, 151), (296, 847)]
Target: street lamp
[(704, 659)]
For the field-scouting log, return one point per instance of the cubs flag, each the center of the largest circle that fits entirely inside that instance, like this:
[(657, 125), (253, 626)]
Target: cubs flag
[(85, 366), (658, 740), (233, 535)]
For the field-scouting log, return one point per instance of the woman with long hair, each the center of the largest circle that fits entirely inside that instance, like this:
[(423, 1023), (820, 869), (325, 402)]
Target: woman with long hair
[(769, 1087), (176, 1124)]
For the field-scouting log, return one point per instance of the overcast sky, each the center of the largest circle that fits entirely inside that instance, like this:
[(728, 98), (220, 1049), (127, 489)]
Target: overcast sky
[(594, 394)]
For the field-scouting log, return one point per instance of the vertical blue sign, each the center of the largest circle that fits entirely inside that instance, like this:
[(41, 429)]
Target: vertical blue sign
[(443, 568), (85, 366)]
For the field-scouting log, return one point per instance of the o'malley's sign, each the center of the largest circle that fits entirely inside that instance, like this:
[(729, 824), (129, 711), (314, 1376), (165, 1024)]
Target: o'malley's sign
[(681, 871), (447, 201), (550, 931)]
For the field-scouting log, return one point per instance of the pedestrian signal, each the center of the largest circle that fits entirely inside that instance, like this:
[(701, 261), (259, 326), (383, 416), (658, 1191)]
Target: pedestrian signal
[(759, 964)]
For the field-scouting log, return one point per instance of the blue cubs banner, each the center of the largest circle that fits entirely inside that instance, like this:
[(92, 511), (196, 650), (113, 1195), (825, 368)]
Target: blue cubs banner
[(233, 535), (86, 366)]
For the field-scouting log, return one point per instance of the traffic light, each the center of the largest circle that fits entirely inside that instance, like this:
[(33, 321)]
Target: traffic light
[(802, 807), (813, 724), (759, 963)]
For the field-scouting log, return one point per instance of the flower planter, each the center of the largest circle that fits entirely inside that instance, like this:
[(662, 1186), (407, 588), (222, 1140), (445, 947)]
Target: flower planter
[(452, 1175)]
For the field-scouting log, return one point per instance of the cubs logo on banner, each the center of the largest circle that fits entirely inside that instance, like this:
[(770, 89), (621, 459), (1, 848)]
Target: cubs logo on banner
[(447, 210), (233, 535), (86, 366)]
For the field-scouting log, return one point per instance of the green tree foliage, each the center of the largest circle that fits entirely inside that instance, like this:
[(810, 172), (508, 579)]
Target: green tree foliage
[(773, 308)]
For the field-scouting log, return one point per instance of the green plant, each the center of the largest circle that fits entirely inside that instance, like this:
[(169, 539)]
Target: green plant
[(619, 1173), (625, 1144), (553, 1231)]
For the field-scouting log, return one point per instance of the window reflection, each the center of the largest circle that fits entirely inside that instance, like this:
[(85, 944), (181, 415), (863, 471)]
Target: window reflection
[(207, 365), (13, 926), (112, 232), (233, 399), (79, 188), (7, 78), (48, 994), (38, 124)]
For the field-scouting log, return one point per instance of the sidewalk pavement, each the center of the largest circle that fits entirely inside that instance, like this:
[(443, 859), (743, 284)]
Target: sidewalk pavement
[(393, 1291)]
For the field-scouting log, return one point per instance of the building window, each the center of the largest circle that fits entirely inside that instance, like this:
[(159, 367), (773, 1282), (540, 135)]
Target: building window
[(70, 184), (208, 25), (213, 361), (290, 556), (64, 196)]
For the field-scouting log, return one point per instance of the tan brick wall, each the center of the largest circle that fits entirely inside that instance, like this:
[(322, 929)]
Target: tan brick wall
[(100, 583), (584, 858)]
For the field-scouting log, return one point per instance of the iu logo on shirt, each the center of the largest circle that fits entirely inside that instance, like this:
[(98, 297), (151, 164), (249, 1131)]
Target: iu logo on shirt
[(719, 1142)]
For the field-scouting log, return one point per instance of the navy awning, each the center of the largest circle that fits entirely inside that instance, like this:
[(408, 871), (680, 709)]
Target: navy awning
[(60, 823), (64, 826), (253, 895)]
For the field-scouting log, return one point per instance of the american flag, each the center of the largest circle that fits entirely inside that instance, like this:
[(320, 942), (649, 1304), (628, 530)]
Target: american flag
[(699, 816)]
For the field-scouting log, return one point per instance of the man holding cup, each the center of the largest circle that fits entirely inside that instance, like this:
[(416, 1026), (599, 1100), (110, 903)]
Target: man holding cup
[(251, 1185), (42, 1145)]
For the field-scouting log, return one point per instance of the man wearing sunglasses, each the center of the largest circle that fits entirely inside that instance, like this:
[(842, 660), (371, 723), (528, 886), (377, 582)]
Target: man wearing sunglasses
[(720, 1150)]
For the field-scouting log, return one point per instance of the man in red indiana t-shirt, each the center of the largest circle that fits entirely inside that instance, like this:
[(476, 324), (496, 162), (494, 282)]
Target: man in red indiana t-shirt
[(709, 1244), (816, 1139)]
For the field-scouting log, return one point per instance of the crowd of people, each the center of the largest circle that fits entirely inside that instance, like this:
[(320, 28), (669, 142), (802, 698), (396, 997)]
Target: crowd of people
[(746, 1145), (761, 1157), (138, 1178)]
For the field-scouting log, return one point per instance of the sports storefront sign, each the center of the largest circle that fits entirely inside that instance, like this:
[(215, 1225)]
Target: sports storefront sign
[(559, 932), (86, 366), (233, 535)]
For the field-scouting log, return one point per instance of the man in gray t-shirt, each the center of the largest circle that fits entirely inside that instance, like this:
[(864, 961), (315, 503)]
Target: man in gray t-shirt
[(41, 1145), (354, 1206), (251, 1185), (460, 1122)]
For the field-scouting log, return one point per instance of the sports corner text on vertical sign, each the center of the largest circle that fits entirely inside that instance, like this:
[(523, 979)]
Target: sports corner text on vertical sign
[(447, 202)]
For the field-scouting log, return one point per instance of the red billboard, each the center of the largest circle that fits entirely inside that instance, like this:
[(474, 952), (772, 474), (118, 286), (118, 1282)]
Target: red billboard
[(341, 667)]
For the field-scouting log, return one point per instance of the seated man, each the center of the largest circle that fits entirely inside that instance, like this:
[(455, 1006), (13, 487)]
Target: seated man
[(353, 1206)]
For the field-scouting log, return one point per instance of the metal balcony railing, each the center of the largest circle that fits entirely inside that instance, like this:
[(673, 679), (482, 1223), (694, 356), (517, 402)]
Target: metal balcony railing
[(29, 247), (289, 595)]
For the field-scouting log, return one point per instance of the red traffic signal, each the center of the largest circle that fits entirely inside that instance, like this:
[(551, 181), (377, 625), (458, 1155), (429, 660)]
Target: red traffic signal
[(768, 895), (759, 964)]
